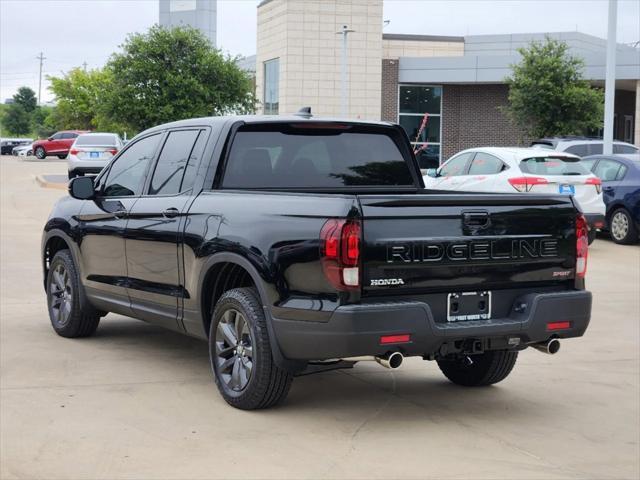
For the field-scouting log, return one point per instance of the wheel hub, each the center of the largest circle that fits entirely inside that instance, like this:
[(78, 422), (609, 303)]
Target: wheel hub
[(234, 350)]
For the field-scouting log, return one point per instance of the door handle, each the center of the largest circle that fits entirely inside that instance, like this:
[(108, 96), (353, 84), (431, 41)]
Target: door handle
[(171, 213), (120, 214)]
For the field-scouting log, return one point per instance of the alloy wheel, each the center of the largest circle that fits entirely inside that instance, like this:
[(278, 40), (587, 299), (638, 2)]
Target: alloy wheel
[(61, 295), (619, 226), (234, 350)]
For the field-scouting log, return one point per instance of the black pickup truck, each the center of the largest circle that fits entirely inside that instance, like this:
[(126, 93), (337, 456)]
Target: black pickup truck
[(297, 244)]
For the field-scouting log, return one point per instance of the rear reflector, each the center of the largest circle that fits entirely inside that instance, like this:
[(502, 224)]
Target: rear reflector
[(387, 339), (558, 326)]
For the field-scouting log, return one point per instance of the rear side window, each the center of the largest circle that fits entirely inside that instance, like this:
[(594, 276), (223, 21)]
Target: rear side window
[(553, 166), (315, 156), (485, 164), (96, 140), (581, 150), (456, 165), (618, 148), (607, 170), (588, 164), (172, 162)]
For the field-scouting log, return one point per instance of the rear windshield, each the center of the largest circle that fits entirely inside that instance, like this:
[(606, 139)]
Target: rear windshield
[(327, 156), (553, 166), (96, 140)]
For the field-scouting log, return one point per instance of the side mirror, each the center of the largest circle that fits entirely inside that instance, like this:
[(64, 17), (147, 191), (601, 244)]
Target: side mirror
[(81, 188), (50, 138), (432, 172)]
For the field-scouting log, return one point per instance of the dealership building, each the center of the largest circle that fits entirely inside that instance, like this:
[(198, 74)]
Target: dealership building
[(458, 81)]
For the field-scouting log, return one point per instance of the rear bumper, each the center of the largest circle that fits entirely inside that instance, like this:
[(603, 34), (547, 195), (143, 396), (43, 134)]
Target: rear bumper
[(595, 220), (86, 166), (355, 330)]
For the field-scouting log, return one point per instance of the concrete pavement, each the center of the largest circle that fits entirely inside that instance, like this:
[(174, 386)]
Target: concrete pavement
[(136, 401)]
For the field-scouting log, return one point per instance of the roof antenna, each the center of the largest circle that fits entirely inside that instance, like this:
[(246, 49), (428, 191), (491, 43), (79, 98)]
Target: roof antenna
[(304, 112)]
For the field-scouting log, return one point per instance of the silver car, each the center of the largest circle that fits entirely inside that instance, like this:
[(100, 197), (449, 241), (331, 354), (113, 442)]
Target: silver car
[(91, 152)]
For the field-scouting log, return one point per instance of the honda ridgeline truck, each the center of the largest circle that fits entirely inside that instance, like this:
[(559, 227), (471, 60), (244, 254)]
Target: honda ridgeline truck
[(298, 244)]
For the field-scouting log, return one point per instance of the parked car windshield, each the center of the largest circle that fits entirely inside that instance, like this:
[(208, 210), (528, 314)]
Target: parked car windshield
[(553, 166), (96, 140), (315, 156)]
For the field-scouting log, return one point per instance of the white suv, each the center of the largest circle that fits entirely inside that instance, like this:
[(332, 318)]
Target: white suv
[(583, 146), (525, 170)]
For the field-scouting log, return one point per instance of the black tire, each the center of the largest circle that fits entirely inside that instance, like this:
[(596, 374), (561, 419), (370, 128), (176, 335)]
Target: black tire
[(487, 368), (247, 381), (591, 236), (70, 313), (40, 153), (62, 157), (622, 228)]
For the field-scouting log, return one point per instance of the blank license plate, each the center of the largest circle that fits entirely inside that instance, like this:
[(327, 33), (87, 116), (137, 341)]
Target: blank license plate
[(467, 306)]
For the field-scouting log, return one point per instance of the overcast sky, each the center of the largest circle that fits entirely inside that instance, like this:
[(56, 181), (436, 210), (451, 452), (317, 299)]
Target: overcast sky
[(71, 32)]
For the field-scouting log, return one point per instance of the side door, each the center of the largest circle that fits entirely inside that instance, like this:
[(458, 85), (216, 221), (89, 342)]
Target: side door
[(54, 145), (153, 257), (102, 224), (449, 175), (483, 174), (67, 140), (610, 172)]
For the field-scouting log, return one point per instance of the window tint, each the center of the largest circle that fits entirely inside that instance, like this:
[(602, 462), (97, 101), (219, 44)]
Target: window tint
[(485, 164), (595, 149), (69, 135), (618, 148), (126, 174), (581, 150), (285, 156), (96, 140), (172, 162), (194, 162), (553, 166), (456, 165), (57, 136), (607, 170)]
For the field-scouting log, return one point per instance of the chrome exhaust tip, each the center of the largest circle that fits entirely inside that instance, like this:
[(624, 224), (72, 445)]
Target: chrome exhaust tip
[(550, 347), (392, 360)]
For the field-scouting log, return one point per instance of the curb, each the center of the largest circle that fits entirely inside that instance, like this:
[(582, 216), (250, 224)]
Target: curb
[(40, 180)]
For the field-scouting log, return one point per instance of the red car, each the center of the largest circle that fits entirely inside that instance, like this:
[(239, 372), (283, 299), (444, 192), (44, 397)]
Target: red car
[(57, 144)]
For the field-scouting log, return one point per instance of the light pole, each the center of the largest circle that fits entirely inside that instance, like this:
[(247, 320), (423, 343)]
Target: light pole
[(610, 79), (344, 104)]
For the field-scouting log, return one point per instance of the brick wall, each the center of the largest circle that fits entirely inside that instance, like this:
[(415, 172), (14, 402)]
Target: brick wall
[(472, 117), (389, 90)]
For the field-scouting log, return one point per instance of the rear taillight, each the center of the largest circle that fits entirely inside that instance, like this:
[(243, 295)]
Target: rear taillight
[(582, 246), (594, 181), (74, 151), (113, 151), (340, 253), (525, 184)]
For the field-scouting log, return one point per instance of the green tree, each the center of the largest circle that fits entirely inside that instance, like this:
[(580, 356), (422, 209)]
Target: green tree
[(548, 95), (79, 95), (172, 74), (42, 121), (16, 121), (26, 98)]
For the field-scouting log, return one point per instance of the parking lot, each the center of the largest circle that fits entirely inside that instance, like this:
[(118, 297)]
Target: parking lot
[(135, 401)]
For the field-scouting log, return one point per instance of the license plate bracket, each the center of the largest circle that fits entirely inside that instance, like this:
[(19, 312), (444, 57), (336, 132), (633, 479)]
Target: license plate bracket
[(468, 306)]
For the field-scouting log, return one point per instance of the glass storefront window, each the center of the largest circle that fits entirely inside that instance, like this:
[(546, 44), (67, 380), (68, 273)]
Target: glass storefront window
[(413, 102), (271, 86)]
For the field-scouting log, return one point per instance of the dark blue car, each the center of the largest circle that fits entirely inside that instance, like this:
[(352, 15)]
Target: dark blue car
[(620, 177)]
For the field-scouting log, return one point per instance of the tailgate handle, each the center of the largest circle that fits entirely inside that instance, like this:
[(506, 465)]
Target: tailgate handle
[(475, 219)]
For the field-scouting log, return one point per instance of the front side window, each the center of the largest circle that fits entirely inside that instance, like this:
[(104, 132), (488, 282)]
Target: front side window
[(553, 166), (607, 170), (271, 87), (456, 165), (414, 102), (172, 162), (69, 135), (323, 157), (125, 177), (485, 164), (57, 136)]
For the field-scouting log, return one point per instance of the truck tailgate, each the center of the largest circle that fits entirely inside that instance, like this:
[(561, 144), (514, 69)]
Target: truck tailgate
[(447, 242)]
